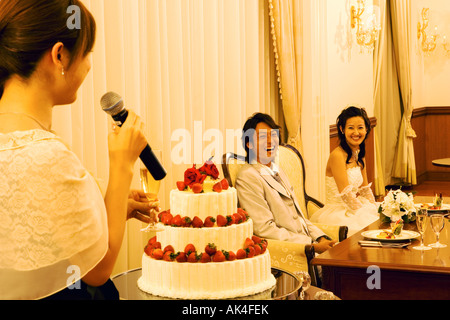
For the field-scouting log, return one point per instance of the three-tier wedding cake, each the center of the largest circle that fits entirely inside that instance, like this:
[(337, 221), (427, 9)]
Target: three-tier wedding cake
[(207, 249)]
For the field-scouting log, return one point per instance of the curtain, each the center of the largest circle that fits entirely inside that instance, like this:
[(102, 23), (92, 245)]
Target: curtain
[(286, 33), (388, 105), (194, 70), (379, 183), (404, 161)]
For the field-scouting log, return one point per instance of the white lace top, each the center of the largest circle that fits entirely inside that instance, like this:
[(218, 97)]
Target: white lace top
[(53, 227)]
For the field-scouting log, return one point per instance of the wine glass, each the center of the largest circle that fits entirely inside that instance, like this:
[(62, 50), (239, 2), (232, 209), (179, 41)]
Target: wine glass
[(437, 223), (151, 189), (422, 222), (305, 280)]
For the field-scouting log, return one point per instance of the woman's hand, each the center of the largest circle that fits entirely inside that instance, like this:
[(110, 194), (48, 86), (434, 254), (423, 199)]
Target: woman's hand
[(127, 142), (139, 207)]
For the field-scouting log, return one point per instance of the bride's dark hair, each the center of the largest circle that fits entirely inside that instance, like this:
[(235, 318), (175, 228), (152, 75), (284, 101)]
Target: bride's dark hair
[(341, 121)]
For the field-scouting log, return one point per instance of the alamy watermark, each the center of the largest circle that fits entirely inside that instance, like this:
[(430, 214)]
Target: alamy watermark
[(74, 21), (374, 280), (198, 146), (73, 281)]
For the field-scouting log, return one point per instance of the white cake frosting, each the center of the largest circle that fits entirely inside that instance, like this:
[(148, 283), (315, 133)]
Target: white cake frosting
[(187, 203), (211, 280), (221, 280)]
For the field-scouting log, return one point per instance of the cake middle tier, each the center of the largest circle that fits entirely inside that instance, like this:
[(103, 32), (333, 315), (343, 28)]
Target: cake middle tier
[(230, 238), (202, 205)]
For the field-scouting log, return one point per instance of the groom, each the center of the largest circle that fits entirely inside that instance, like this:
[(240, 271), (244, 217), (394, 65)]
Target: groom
[(265, 193)]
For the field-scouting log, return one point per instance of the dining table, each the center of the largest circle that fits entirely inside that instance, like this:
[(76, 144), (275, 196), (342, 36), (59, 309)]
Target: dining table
[(441, 162), (356, 272)]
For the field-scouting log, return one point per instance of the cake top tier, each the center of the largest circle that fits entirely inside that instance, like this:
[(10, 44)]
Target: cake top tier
[(203, 179)]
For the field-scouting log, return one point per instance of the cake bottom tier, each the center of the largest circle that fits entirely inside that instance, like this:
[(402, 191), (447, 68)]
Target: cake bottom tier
[(223, 280)]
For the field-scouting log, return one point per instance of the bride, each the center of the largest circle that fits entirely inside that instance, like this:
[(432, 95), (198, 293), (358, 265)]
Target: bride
[(349, 199)]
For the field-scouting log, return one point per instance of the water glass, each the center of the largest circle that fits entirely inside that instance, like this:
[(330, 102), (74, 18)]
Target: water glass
[(437, 223)]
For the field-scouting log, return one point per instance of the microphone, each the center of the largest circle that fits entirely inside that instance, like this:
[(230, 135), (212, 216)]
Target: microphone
[(112, 104)]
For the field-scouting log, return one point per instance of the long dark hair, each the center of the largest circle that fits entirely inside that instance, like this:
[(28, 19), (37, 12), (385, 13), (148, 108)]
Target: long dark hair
[(28, 28), (249, 130), (341, 121)]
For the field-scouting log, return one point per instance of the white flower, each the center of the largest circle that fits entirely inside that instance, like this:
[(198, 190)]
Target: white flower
[(397, 204)]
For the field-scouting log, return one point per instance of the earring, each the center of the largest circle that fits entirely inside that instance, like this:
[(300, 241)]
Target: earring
[(62, 72)]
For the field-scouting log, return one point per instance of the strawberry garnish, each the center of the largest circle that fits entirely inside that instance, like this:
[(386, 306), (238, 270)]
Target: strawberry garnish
[(181, 185), (243, 213), (156, 245), (197, 222), (168, 248), (248, 242), (148, 250), (189, 248), (177, 221), (205, 258), (257, 248), (224, 183), (209, 222), (186, 222), (166, 218), (192, 258), (157, 254), (217, 187), (231, 256), (168, 256), (230, 220), (250, 252), (181, 257), (197, 188), (263, 247), (210, 249), (152, 240), (241, 254), (256, 239), (237, 218), (221, 221), (219, 257)]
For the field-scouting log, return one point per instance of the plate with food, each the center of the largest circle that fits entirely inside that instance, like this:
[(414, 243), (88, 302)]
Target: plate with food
[(431, 208), (387, 235), (437, 206)]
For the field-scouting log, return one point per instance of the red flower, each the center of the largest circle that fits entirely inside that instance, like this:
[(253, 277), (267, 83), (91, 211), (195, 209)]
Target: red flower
[(192, 176), (210, 169)]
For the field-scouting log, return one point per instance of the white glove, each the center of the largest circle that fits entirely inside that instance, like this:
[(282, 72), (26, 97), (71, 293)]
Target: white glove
[(350, 199), (367, 193)]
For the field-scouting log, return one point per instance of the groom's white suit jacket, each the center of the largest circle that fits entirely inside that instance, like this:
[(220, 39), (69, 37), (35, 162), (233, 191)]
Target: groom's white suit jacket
[(274, 210)]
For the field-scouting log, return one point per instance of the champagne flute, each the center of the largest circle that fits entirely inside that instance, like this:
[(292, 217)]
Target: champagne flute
[(422, 222), (437, 223), (305, 280), (151, 189)]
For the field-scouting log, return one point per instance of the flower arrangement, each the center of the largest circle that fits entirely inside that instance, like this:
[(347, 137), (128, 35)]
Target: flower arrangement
[(397, 205), (194, 178)]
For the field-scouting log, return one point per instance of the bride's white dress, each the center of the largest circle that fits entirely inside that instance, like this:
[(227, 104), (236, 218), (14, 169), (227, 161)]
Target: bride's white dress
[(337, 212)]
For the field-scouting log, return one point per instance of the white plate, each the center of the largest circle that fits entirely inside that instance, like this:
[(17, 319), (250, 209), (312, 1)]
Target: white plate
[(444, 207), (405, 235)]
